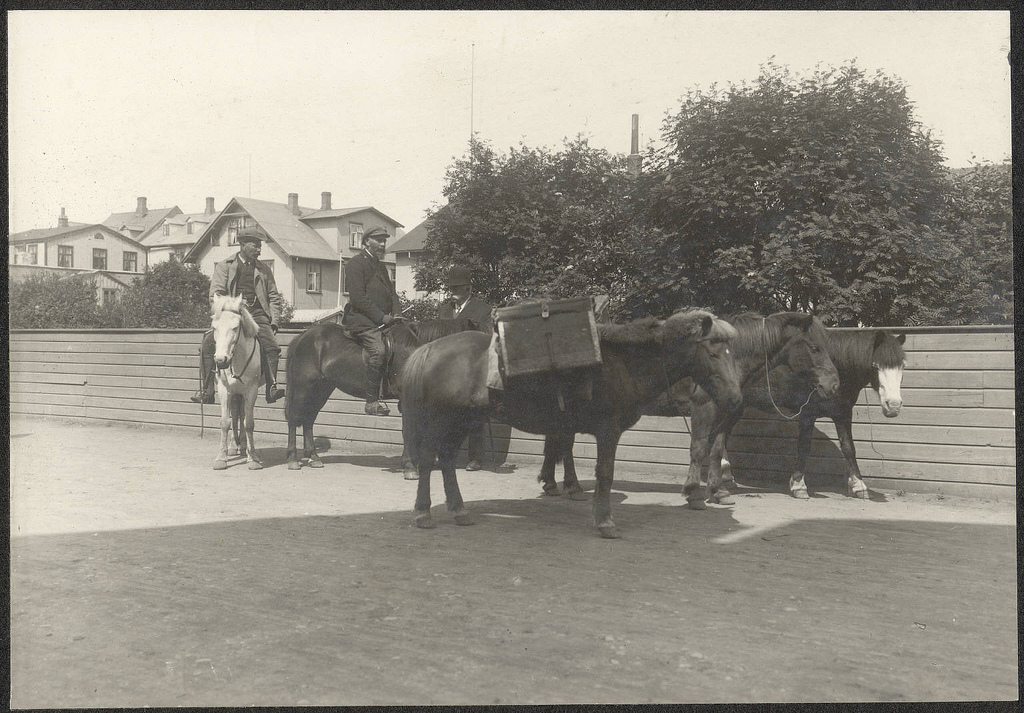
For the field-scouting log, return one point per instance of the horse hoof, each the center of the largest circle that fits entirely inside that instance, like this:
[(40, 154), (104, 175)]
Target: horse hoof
[(294, 465), (696, 503), (801, 494), (550, 489), (220, 465), (425, 522), (722, 499), (316, 463), (577, 495), (609, 532), (463, 518), (410, 474), (255, 465), (862, 494)]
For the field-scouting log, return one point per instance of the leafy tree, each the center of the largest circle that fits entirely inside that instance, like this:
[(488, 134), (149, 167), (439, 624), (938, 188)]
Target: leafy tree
[(817, 193), (170, 295), (533, 222), (54, 301)]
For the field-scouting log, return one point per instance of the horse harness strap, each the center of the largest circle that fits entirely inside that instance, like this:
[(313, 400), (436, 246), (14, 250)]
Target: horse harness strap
[(767, 376), (245, 366)]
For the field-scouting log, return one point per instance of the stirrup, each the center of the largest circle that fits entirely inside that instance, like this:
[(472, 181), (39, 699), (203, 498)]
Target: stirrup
[(274, 392), (202, 397)]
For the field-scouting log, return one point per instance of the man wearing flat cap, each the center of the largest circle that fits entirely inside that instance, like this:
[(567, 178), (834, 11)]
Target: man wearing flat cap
[(463, 304), (243, 274), (372, 305)]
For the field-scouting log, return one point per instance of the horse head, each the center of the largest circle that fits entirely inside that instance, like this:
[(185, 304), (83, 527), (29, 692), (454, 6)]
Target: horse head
[(709, 340), (805, 350), (887, 362), (229, 319)]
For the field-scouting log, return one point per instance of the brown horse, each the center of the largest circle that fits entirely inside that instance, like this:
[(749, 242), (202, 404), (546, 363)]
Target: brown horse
[(323, 359), (445, 394), (872, 358), (791, 347)]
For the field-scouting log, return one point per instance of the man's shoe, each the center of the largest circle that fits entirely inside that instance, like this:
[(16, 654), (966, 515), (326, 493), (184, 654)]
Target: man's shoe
[(202, 397), (473, 465), (376, 408), (274, 392)]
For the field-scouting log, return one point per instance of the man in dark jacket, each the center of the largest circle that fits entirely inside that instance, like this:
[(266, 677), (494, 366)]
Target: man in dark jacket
[(372, 305), (465, 305), (243, 274)]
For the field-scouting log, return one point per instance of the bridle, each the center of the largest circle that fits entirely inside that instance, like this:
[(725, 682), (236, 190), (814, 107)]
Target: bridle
[(252, 353)]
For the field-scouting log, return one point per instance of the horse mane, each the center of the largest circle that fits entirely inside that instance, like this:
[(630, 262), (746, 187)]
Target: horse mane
[(857, 350), (227, 303), (431, 329), (758, 333), (650, 329)]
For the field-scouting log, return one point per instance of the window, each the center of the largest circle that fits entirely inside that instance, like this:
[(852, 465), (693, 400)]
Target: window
[(235, 225), (109, 296), (189, 227), (355, 235), (344, 287), (99, 258), (98, 236), (26, 254), (131, 261), (313, 277), (167, 228), (391, 272), (65, 256)]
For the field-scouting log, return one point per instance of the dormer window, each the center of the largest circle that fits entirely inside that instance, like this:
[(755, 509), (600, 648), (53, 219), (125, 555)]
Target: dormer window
[(98, 236), (189, 227), (167, 228)]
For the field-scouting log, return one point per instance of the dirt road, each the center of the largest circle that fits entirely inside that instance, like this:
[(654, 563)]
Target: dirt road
[(141, 577)]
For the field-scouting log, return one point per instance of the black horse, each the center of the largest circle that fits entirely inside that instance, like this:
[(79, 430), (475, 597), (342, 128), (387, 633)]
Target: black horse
[(323, 359), (445, 394), (794, 340), (872, 358), (783, 359)]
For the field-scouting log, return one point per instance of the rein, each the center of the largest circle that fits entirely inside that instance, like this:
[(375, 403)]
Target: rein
[(768, 380)]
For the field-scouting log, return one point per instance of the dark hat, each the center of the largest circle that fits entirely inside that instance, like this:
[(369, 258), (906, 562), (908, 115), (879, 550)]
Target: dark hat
[(377, 233), (251, 235), (459, 276)]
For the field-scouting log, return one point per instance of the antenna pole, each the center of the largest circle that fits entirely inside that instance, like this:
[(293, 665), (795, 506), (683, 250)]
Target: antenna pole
[(472, 67)]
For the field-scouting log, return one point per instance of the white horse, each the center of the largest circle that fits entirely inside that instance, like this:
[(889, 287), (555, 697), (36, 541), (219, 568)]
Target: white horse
[(239, 375)]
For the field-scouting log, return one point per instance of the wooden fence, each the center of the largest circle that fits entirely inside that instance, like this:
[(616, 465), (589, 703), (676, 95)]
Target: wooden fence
[(955, 434)]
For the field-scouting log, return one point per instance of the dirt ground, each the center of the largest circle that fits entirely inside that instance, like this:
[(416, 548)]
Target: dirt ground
[(141, 577)]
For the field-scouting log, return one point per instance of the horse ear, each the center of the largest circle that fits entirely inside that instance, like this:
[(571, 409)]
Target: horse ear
[(901, 338), (706, 323), (879, 338), (805, 321)]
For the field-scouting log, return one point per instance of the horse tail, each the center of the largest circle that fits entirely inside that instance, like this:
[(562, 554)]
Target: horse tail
[(296, 355), (413, 400)]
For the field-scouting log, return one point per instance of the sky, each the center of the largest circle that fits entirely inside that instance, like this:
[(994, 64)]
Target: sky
[(107, 106)]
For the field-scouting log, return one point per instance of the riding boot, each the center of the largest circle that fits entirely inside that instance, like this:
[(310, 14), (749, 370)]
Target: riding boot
[(274, 392), (206, 393), (373, 406)]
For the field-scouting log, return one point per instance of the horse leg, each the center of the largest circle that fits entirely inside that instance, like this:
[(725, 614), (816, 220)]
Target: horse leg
[(570, 484), (452, 495), (552, 454), (250, 424), (221, 461), (855, 487), (408, 467), (426, 464), (700, 444), (309, 446), (233, 446), (797, 487), (607, 443), (716, 492), (238, 426)]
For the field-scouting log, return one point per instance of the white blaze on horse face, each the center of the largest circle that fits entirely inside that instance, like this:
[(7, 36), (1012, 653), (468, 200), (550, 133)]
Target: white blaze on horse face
[(889, 381), (225, 335)]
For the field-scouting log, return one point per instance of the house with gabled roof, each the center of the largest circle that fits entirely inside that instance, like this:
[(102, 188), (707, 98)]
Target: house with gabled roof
[(306, 247), (77, 249), (177, 234), (141, 222), (408, 251)]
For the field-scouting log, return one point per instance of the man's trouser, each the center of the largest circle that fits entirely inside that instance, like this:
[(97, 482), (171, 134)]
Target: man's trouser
[(476, 445), (372, 342), (268, 344)]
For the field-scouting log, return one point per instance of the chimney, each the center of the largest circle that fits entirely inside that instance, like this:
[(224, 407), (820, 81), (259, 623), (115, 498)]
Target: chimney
[(325, 200), (62, 221), (209, 207), (293, 203), (140, 206), (634, 161)]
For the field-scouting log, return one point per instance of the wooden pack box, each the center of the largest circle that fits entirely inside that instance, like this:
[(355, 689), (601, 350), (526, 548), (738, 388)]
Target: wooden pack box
[(548, 334)]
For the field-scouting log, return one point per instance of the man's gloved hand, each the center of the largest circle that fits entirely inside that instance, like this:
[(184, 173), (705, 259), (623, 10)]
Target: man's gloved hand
[(273, 328), (388, 319)]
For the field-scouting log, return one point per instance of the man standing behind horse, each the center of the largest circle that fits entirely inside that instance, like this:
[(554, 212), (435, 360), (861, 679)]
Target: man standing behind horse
[(372, 305), (243, 274), (465, 305)]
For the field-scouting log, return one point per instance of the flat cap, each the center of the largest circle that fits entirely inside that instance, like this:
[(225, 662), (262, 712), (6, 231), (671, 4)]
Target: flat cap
[(251, 235), (376, 233)]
